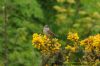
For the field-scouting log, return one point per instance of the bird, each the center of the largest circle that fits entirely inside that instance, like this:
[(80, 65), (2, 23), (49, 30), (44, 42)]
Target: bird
[(47, 31)]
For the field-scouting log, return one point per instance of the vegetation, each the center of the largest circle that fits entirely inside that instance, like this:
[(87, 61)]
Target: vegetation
[(77, 52), (79, 20)]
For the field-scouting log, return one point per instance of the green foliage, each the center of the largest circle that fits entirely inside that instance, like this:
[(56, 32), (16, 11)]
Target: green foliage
[(21, 25)]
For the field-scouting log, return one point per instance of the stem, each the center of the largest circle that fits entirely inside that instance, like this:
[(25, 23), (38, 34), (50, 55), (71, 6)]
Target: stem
[(5, 35)]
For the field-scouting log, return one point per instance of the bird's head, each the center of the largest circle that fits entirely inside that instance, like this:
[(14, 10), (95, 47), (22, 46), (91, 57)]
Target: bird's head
[(46, 26)]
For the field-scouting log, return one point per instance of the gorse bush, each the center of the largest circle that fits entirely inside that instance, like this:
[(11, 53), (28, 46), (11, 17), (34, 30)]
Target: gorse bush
[(76, 51), (86, 51), (46, 45)]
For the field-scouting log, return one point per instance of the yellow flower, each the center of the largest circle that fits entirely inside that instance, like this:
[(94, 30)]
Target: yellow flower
[(97, 60), (73, 49), (61, 17), (60, 1), (96, 14), (71, 1), (88, 49), (82, 12), (73, 36), (46, 65), (37, 40), (68, 47), (46, 45), (59, 8), (87, 41), (91, 43), (35, 34)]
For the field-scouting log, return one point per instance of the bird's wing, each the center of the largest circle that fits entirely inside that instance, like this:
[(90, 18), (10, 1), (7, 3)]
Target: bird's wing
[(51, 33)]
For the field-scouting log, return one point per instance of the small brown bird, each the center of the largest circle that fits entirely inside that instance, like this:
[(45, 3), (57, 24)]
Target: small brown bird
[(47, 31)]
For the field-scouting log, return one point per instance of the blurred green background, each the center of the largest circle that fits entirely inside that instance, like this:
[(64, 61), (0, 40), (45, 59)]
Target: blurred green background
[(25, 17)]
